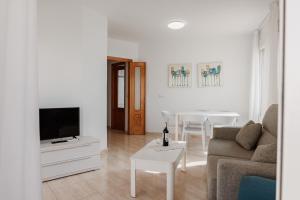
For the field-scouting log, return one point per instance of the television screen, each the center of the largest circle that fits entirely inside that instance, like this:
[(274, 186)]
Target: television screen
[(59, 123)]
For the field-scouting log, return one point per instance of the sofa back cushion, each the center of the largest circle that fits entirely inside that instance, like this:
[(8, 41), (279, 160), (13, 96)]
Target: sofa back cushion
[(269, 122), (266, 138), (249, 135), (265, 153)]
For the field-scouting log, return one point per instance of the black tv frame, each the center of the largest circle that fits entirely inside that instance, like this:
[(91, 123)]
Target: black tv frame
[(55, 139)]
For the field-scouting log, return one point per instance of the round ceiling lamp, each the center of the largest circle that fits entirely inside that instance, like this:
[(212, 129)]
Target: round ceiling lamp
[(176, 24)]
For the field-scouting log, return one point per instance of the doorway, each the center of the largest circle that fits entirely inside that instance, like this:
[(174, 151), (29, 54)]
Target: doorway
[(126, 95), (118, 87)]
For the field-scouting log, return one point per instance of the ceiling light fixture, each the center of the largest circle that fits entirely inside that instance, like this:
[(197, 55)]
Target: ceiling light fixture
[(176, 24)]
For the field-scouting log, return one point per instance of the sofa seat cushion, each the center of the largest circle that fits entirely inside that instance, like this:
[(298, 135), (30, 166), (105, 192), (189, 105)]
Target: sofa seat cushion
[(228, 148)]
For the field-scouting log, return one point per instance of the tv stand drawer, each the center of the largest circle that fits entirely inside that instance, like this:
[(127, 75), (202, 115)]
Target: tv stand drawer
[(69, 168), (61, 155), (63, 159)]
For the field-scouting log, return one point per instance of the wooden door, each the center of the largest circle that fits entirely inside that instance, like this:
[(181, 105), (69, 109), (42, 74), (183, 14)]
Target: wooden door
[(137, 103), (118, 96)]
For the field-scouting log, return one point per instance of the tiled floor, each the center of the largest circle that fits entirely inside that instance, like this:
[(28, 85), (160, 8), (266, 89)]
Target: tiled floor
[(112, 182)]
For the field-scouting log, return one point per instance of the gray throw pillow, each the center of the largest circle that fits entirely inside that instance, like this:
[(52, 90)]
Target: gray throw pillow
[(249, 134), (265, 153)]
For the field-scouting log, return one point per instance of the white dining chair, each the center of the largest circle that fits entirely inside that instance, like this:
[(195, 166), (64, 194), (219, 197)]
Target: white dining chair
[(169, 118), (220, 121), (193, 124), (166, 115)]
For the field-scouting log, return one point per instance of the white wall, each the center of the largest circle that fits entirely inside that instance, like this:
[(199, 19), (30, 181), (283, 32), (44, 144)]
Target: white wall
[(72, 62), (291, 107), (123, 49), (234, 52)]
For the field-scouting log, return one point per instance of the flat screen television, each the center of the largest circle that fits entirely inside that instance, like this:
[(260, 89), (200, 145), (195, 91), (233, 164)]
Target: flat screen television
[(59, 123)]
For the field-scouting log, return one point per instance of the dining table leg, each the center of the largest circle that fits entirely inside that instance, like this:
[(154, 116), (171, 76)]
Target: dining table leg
[(176, 126), (235, 121)]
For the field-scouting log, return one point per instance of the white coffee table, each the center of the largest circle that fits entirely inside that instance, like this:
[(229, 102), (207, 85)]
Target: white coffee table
[(149, 158)]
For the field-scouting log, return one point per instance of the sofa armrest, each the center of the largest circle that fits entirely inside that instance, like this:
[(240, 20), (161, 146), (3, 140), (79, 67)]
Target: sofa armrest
[(225, 133), (230, 172)]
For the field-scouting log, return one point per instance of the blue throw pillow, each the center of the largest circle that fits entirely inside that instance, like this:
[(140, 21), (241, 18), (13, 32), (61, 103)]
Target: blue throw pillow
[(257, 188)]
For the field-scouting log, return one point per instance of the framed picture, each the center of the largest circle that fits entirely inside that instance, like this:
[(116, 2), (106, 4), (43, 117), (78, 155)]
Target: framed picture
[(180, 75), (210, 74)]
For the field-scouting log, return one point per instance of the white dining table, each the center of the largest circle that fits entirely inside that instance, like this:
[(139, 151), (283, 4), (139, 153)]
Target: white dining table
[(205, 115)]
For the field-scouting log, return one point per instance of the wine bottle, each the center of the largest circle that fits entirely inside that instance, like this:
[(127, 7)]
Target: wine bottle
[(166, 136)]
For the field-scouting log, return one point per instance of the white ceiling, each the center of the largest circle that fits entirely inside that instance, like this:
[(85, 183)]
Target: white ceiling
[(137, 20)]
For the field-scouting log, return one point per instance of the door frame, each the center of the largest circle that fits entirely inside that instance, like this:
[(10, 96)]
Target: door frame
[(128, 62), (118, 59)]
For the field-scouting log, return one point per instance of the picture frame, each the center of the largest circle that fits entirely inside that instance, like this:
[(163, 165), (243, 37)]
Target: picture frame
[(180, 75), (210, 74)]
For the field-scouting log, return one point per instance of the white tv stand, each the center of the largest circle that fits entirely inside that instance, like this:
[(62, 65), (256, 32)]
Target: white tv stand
[(68, 158)]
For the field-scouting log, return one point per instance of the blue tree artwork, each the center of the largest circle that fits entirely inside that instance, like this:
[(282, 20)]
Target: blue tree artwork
[(180, 75), (209, 74)]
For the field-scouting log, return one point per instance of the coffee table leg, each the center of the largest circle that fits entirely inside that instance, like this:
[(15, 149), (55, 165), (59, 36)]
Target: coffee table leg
[(170, 183), (132, 182)]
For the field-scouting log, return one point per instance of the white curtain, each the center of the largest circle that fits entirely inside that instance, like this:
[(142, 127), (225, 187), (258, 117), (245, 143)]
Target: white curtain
[(269, 42), (255, 95), (19, 136), (265, 69)]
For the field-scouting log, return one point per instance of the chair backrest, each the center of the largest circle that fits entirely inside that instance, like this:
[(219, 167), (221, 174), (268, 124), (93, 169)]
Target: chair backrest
[(165, 115), (168, 117), (221, 120), (197, 119)]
